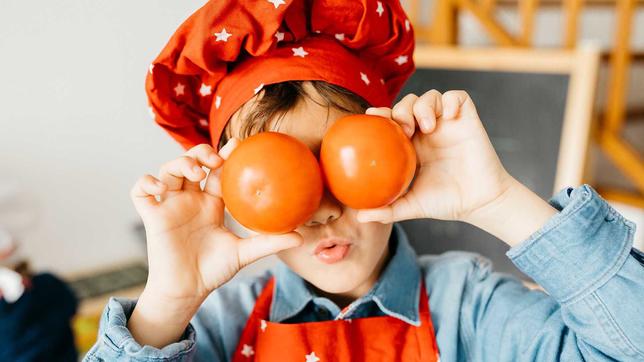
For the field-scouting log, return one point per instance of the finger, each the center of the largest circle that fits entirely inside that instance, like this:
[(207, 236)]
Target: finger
[(213, 182), (205, 155), (145, 190), (403, 113), (379, 111), (180, 172), (259, 246), (427, 109), (457, 103), (401, 209), (228, 148)]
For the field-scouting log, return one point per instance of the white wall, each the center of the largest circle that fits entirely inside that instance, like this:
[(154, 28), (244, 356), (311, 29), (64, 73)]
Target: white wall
[(74, 129), (75, 132)]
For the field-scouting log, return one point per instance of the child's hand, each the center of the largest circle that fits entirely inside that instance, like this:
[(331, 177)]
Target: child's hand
[(459, 170), (190, 252)]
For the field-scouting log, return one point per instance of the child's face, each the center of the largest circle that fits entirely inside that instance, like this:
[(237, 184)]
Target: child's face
[(355, 273)]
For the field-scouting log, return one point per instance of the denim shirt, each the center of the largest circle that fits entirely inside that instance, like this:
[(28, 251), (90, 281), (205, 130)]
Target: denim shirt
[(592, 307)]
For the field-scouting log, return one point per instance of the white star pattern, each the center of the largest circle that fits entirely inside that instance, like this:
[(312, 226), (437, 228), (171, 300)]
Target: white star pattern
[(402, 59), (262, 325), (279, 35), (380, 9), (312, 357), (205, 90), (247, 351), (179, 89), (339, 36), (300, 52), (276, 3), (407, 25), (217, 102), (203, 122), (364, 78), (151, 68), (223, 35), (259, 88)]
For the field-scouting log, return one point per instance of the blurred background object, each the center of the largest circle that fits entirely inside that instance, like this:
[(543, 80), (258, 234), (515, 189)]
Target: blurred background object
[(11, 285), (36, 309)]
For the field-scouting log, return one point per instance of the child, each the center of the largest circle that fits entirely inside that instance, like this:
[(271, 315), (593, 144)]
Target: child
[(296, 67)]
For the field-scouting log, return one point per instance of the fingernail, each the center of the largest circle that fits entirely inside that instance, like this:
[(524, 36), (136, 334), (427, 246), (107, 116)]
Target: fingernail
[(426, 122)]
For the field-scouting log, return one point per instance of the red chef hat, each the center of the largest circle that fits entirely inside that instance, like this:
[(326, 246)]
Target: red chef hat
[(228, 50)]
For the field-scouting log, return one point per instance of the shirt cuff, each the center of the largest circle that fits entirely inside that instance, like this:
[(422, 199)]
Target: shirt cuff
[(114, 334), (577, 250)]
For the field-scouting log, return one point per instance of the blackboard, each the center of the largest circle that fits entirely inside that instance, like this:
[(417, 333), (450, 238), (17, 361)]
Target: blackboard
[(523, 113)]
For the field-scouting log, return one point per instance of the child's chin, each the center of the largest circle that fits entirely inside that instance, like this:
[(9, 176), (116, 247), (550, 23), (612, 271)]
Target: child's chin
[(337, 282)]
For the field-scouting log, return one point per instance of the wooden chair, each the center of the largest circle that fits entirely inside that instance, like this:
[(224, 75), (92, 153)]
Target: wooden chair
[(443, 30)]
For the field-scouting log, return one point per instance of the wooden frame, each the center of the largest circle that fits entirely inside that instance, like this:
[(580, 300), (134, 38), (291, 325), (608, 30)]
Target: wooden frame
[(611, 139), (581, 65), (443, 30)]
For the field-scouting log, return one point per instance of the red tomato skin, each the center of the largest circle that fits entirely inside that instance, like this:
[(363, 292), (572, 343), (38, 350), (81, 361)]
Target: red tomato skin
[(271, 183), (367, 161)]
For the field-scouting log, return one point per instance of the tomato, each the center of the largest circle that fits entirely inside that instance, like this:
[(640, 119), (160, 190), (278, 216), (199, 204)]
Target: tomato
[(271, 183), (367, 161)]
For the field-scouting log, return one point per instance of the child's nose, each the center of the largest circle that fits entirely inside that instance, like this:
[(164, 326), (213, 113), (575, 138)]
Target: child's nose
[(330, 209)]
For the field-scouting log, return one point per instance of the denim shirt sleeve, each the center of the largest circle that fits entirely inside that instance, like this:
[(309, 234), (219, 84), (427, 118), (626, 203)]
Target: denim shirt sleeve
[(212, 335), (594, 287), (115, 342)]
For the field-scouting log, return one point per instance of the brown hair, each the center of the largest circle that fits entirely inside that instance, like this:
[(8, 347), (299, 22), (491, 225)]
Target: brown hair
[(277, 99)]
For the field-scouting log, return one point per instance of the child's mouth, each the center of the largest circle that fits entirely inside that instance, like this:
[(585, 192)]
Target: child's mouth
[(332, 250)]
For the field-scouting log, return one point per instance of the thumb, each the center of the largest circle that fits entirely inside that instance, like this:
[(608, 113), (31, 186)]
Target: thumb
[(259, 246), (401, 209)]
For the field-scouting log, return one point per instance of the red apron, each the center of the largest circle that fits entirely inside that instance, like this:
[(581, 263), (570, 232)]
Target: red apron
[(381, 338)]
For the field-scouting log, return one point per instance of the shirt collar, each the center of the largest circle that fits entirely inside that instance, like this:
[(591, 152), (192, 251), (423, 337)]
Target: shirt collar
[(396, 293)]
